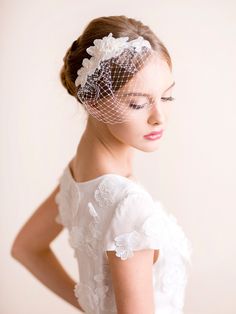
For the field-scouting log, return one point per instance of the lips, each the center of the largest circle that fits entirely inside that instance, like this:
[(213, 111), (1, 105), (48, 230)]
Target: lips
[(154, 133)]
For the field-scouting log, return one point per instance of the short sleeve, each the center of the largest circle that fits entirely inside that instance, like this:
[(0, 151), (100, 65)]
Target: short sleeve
[(134, 225), (67, 200), (62, 216)]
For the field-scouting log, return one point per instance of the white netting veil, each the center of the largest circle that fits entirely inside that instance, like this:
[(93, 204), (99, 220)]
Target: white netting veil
[(106, 81)]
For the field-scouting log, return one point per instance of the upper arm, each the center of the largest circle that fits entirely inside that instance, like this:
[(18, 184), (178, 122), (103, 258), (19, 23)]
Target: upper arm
[(41, 228), (132, 241), (132, 282)]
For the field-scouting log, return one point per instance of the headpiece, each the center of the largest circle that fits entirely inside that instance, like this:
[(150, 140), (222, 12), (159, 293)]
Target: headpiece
[(101, 81)]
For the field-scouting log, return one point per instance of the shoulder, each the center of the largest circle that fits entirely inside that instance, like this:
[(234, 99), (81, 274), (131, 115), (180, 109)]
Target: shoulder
[(132, 224), (114, 190)]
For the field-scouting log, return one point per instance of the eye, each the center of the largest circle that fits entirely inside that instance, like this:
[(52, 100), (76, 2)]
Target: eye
[(135, 106), (168, 98)]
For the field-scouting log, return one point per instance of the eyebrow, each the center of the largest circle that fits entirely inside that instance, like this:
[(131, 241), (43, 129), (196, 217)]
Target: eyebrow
[(148, 95), (170, 87)]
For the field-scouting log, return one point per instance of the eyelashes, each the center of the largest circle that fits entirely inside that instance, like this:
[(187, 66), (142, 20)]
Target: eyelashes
[(168, 98), (135, 106)]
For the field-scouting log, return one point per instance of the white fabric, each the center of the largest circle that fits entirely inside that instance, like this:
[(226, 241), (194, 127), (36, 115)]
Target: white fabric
[(104, 49), (112, 212)]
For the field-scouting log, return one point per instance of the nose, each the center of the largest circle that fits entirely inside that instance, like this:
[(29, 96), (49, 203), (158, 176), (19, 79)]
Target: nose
[(156, 114)]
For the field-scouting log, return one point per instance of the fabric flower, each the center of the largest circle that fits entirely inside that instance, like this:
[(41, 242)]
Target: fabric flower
[(80, 238), (104, 194), (93, 212), (125, 243), (86, 297), (88, 68), (102, 286), (104, 49), (173, 280), (76, 238), (107, 47), (93, 225), (104, 289), (139, 42)]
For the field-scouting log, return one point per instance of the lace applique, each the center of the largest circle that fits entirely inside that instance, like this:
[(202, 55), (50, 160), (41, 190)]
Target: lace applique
[(173, 279), (104, 193), (76, 238), (145, 234), (104, 289), (94, 230), (150, 235), (95, 296), (101, 285), (125, 244), (80, 238), (158, 230), (86, 297)]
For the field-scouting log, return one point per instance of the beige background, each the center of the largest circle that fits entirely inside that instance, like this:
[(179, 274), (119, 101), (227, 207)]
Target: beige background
[(193, 172)]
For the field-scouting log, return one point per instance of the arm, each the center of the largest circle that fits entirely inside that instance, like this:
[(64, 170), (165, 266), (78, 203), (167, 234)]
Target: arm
[(31, 248), (132, 282)]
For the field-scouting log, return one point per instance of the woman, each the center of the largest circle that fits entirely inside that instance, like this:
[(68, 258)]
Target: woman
[(131, 253)]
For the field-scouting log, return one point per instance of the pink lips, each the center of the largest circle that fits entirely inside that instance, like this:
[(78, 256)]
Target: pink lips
[(153, 135)]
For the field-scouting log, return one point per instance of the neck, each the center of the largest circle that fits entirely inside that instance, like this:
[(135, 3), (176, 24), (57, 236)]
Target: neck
[(101, 152)]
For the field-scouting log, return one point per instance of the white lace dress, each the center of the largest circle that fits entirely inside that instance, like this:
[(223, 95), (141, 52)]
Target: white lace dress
[(112, 212)]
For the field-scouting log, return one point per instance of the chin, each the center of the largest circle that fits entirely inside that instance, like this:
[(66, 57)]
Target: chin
[(147, 148)]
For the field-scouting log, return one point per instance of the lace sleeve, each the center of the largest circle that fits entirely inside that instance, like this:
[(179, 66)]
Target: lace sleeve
[(135, 225)]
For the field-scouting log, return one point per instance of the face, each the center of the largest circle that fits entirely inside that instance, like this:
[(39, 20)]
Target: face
[(148, 112)]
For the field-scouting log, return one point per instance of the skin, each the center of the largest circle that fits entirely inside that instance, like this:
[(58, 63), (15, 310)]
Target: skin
[(102, 149), (105, 148)]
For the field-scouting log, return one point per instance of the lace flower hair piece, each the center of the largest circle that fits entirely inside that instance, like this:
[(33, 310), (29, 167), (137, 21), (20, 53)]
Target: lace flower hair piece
[(113, 63), (106, 48)]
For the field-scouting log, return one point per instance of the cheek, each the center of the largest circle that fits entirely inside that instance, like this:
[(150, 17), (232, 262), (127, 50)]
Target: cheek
[(126, 132)]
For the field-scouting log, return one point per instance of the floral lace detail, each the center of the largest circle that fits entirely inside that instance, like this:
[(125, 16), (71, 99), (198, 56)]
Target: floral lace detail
[(104, 49), (86, 297), (125, 244), (159, 229), (104, 289), (93, 225), (102, 286), (147, 233), (173, 278), (104, 193), (87, 241)]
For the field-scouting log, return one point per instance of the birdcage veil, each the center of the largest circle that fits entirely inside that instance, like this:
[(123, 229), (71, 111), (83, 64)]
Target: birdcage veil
[(106, 81)]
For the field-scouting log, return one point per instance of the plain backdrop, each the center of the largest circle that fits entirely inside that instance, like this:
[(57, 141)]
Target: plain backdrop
[(193, 172)]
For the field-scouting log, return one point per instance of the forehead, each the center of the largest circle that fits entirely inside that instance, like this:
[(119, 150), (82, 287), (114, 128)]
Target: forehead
[(155, 76)]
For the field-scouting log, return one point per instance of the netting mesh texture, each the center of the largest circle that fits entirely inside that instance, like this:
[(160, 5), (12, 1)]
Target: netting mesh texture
[(109, 93)]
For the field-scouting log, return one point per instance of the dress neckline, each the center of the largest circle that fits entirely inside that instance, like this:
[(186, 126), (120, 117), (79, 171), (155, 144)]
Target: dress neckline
[(84, 183)]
